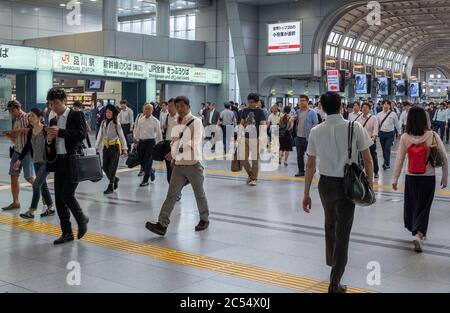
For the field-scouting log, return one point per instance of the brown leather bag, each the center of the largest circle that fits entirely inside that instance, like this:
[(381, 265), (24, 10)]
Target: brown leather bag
[(436, 157)]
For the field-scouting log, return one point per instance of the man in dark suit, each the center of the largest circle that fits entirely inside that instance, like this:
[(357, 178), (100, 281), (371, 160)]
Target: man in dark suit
[(65, 137), (211, 120)]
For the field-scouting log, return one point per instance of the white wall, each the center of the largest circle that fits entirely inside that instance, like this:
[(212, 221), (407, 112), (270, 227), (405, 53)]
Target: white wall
[(19, 21)]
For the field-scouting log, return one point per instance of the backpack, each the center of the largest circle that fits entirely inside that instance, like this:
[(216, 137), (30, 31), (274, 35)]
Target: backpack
[(417, 159)]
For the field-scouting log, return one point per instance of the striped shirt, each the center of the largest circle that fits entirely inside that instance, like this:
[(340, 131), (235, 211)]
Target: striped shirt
[(21, 139)]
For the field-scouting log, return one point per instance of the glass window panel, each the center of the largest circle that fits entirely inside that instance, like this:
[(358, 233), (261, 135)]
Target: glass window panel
[(126, 27), (331, 37)]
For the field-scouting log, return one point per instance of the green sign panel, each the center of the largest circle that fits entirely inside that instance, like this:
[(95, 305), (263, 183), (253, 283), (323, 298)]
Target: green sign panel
[(25, 58)]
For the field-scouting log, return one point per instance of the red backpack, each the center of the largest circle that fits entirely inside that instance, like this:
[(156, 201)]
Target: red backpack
[(417, 159)]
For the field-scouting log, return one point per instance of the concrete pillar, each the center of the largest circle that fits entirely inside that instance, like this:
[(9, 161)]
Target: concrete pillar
[(110, 15), (163, 18), (44, 82)]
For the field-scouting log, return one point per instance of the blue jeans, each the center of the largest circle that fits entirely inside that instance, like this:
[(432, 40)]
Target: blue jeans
[(386, 141), (40, 186), (439, 127)]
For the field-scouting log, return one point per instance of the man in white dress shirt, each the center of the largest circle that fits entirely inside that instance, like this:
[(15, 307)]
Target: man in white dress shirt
[(440, 120), (327, 144), (388, 124), (353, 116), (148, 133)]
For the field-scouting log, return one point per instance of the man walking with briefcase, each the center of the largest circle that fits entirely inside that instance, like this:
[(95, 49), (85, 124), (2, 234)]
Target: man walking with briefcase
[(65, 138)]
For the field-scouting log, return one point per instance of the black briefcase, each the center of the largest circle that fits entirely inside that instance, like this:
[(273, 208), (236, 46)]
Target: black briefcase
[(133, 159), (85, 167), (158, 152)]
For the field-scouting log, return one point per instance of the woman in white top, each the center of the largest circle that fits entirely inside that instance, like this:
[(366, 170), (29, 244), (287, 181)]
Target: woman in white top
[(114, 144), (273, 120)]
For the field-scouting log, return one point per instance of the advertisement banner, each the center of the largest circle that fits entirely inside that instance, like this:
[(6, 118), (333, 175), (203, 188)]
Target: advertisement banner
[(414, 90), (383, 86), (284, 37), (361, 83), (333, 80)]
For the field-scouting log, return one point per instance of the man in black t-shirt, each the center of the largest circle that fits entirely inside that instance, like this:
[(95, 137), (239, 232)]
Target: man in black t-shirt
[(251, 120)]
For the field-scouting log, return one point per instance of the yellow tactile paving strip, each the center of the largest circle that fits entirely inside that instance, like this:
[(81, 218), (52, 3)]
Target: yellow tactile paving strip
[(245, 271)]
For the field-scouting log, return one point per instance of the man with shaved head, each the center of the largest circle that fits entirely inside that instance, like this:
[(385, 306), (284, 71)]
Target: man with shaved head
[(147, 133)]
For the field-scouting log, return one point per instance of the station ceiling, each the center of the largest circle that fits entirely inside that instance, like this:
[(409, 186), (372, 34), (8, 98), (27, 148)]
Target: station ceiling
[(416, 28)]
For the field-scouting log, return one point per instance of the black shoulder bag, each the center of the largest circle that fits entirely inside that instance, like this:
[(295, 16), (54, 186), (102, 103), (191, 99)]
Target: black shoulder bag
[(356, 183), (84, 167)]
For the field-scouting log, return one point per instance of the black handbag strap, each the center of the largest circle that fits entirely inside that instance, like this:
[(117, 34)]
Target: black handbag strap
[(350, 139), (367, 121), (186, 127), (385, 118)]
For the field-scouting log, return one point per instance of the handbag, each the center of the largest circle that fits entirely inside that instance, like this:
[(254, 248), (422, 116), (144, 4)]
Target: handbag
[(436, 158), (133, 159), (85, 166), (158, 151), (356, 183)]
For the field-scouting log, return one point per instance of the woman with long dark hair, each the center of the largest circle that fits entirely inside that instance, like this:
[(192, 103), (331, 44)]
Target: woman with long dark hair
[(285, 125), (36, 146), (420, 180), (114, 145)]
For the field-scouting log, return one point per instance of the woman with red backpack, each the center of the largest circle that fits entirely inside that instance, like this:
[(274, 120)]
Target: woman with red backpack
[(425, 152)]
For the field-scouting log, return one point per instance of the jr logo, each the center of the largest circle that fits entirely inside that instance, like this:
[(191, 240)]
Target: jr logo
[(74, 276), (374, 276), (73, 18), (374, 16)]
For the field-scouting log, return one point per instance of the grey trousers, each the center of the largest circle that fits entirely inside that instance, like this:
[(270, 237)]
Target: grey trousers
[(180, 173)]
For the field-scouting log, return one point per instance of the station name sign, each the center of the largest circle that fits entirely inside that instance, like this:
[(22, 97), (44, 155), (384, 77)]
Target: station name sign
[(26, 58)]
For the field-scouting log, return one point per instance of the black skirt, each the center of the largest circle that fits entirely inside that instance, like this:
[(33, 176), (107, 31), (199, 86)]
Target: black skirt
[(286, 142), (419, 195)]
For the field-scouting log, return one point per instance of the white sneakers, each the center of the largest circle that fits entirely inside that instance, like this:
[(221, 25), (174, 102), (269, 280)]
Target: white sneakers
[(252, 183)]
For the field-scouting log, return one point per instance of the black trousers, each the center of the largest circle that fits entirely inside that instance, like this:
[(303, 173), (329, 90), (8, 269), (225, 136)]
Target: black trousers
[(386, 141), (65, 200), (447, 131), (339, 213), (374, 155), (419, 195), (145, 151), (111, 156), (301, 144), (126, 131), (169, 166)]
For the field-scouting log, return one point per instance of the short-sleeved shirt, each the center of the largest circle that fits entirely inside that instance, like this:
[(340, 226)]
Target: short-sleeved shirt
[(327, 143), (21, 139), (258, 116)]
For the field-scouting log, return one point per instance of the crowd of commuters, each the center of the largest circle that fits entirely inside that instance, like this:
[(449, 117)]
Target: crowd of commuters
[(44, 141)]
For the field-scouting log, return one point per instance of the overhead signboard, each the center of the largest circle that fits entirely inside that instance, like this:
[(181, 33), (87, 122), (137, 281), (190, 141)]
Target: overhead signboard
[(333, 80), (26, 58), (439, 82), (284, 37)]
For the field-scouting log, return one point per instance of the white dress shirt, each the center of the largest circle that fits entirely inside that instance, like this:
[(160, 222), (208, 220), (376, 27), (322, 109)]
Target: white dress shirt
[(127, 117), (172, 121), (352, 117), (162, 117), (331, 148), (390, 124), (61, 142), (191, 141), (403, 118), (148, 128), (211, 114)]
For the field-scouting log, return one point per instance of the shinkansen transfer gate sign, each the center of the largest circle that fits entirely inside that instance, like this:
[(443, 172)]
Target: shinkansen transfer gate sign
[(26, 58)]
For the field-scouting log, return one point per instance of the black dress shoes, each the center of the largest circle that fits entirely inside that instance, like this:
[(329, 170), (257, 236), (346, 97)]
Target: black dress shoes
[(156, 228), (152, 175), (202, 225), (337, 288), (82, 228), (63, 239), (116, 183)]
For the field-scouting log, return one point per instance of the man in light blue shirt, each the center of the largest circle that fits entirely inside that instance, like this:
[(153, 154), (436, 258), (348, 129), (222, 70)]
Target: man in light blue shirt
[(448, 122), (305, 119)]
